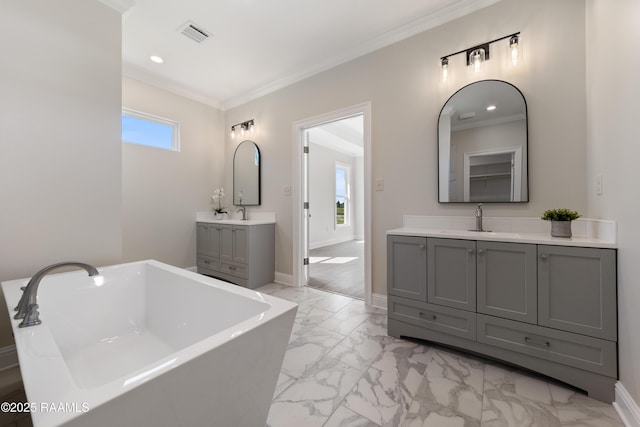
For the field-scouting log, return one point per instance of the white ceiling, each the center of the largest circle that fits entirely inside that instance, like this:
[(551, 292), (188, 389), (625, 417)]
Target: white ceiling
[(258, 46), (345, 136)]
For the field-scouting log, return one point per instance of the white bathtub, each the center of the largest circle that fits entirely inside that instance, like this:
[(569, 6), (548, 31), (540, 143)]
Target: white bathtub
[(148, 344)]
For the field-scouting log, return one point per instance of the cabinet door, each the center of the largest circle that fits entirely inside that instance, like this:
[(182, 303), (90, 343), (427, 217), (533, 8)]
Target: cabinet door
[(208, 240), (577, 290), (407, 267), (226, 242), (451, 273), (240, 243), (203, 242), (507, 280)]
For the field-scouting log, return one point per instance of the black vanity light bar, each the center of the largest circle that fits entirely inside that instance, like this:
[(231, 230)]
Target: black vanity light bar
[(513, 38), (244, 126)]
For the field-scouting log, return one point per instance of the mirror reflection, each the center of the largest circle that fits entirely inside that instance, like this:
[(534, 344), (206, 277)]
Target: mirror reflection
[(482, 145), (246, 174)]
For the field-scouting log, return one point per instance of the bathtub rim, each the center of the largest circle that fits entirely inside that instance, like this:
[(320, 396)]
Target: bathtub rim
[(46, 375)]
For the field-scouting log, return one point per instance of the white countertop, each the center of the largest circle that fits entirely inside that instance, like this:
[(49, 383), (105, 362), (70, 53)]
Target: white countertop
[(594, 233), (255, 218), (498, 236)]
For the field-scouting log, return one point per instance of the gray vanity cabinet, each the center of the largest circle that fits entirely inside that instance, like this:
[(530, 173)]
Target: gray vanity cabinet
[(451, 273), (407, 267), (549, 308), (507, 280), (240, 254), (577, 290)]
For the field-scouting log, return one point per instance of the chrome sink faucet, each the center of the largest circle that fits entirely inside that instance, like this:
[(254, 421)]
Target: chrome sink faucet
[(479, 218), (244, 212), (27, 308)]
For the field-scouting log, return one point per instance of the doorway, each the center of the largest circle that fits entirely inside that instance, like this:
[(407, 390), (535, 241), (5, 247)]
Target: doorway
[(332, 247), (335, 172)]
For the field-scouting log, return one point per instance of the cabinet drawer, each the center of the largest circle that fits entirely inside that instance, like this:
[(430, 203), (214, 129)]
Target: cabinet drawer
[(579, 351), (238, 270), (438, 318), (207, 262)]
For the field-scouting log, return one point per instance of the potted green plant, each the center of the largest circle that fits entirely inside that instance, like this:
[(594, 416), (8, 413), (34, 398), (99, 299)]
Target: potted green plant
[(560, 221)]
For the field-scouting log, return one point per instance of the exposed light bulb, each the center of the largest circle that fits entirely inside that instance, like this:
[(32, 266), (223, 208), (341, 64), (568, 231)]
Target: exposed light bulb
[(233, 132), (514, 44), (242, 130), (445, 68), (477, 56), (251, 127)]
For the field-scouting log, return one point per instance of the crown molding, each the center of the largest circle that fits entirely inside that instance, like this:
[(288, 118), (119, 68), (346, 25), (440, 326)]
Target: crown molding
[(136, 73), (432, 20), (121, 6)]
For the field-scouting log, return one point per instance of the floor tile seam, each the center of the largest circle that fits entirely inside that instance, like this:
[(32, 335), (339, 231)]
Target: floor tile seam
[(364, 371)]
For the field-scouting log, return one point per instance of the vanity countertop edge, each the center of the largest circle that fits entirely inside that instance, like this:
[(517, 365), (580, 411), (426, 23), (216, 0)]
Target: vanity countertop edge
[(256, 218), (533, 238)]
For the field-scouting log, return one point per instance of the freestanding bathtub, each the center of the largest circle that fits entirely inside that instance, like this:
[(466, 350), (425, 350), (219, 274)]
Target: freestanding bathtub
[(148, 344)]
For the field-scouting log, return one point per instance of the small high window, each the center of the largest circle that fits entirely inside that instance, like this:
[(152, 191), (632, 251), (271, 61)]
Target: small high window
[(146, 129), (343, 204)]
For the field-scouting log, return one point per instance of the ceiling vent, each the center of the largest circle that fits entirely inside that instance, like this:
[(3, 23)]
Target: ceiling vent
[(194, 32)]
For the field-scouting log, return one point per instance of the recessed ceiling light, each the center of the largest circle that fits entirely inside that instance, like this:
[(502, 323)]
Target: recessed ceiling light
[(491, 107), (156, 59)]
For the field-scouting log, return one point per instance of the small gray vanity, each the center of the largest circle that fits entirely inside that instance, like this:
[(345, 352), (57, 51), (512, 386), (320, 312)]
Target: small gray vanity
[(542, 303), (240, 252)]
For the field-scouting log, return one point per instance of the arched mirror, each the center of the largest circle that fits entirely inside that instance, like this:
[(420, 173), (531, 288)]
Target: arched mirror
[(483, 145), (246, 174)]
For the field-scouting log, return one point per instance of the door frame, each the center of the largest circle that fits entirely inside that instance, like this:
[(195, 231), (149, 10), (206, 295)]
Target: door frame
[(299, 128)]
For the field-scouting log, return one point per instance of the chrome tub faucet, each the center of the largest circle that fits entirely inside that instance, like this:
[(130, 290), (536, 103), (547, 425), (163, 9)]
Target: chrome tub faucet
[(27, 308)]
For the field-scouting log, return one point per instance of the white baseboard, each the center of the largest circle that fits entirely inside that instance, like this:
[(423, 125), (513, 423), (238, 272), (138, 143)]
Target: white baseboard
[(284, 279), (626, 407), (8, 357), (379, 301)]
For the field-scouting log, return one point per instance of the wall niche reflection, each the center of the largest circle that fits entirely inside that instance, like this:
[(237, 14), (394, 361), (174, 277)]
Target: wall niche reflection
[(483, 145)]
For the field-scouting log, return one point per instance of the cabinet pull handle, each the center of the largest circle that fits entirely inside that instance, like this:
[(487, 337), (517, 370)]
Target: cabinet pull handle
[(207, 262), (533, 342), (470, 251), (433, 316), (421, 246), (544, 256), (232, 268), (480, 251)]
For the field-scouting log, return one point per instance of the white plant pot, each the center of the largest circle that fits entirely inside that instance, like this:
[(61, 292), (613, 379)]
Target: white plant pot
[(561, 228)]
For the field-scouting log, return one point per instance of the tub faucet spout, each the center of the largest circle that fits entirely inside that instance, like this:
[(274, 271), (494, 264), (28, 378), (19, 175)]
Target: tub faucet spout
[(27, 308)]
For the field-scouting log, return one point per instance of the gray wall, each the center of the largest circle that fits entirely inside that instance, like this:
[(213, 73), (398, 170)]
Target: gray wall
[(60, 150), (613, 151), (402, 82), (162, 190)]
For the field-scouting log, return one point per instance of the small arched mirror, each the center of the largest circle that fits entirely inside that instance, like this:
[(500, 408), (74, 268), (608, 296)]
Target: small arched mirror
[(483, 145), (246, 174)]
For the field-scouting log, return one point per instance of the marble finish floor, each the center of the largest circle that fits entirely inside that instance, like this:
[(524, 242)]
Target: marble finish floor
[(342, 370), (338, 268)]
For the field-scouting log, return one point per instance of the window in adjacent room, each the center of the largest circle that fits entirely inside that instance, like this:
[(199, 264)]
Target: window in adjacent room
[(153, 131), (342, 195)]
